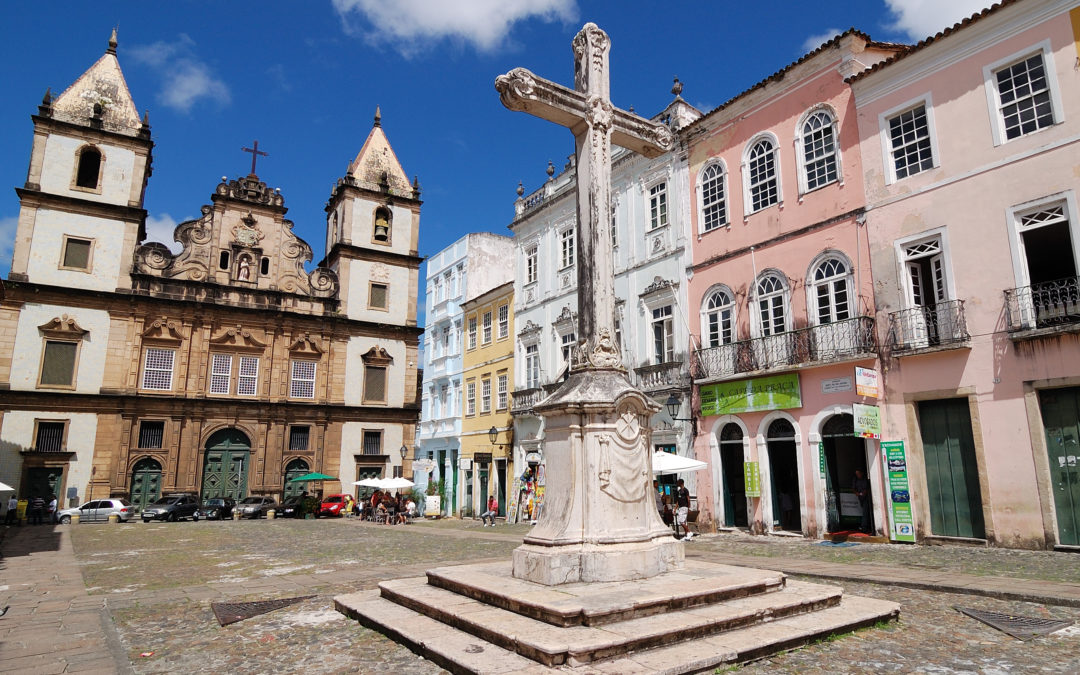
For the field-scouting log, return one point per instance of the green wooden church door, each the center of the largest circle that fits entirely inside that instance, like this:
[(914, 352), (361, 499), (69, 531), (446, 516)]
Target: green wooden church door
[(226, 467)]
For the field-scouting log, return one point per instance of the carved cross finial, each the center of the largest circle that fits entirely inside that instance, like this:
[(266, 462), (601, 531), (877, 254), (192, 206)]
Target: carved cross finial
[(255, 154)]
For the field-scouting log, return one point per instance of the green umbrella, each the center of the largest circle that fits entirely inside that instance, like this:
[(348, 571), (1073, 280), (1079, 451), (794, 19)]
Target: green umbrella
[(308, 477)]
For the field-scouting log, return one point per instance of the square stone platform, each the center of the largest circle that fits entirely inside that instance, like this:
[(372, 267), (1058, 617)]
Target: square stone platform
[(480, 619)]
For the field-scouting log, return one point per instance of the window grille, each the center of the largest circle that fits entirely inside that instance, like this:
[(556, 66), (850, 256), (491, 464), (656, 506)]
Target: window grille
[(50, 437), (374, 383), (151, 434), (303, 379), (220, 373), (158, 369), (372, 442), (713, 201), (909, 135), (248, 381), (299, 437), (58, 363), (1024, 97)]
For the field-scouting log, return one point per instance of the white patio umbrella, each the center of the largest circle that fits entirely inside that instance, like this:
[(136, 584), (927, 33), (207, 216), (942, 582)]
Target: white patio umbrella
[(370, 482), (4, 487), (396, 483), (666, 463)]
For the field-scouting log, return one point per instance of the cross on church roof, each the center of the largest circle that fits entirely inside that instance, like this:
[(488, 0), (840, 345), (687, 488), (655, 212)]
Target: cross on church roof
[(255, 154)]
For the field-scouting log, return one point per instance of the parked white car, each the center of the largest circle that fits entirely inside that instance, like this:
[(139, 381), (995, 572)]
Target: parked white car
[(98, 510)]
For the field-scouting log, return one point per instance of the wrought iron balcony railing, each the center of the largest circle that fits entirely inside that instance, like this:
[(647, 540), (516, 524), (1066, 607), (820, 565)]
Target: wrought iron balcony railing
[(1042, 305), (826, 343), (672, 375), (922, 327)]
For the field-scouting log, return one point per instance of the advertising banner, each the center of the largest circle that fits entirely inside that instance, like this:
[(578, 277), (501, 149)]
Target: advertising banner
[(900, 515), (777, 392), (752, 479), (867, 382), (867, 420)]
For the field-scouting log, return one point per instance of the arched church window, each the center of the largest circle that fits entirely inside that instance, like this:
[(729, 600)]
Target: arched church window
[(223, 262), (89, 168), (382, 226), (264, 267)]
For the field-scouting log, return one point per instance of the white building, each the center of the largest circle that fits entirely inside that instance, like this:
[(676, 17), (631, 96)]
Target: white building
[(471, 266), (651, 246)]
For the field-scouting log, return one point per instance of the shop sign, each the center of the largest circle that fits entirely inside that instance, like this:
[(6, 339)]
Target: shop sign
[(532, 458), (777, 392), (466, 463), (835, 385), (867, 420), (895, 461), (423, 465), (867, 382), (482, 457), (752, 479)]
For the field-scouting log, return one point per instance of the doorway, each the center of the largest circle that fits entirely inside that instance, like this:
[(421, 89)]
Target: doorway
[(732, 481), (500, 484), (1053, 295), (44, 482), (845, 453), (952, 474), (1061, 418), (295, 469), (226, 469), (145, 482), (784, 476)]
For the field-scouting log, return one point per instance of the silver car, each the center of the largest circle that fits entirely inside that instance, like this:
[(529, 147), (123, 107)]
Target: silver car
[(98, 510)]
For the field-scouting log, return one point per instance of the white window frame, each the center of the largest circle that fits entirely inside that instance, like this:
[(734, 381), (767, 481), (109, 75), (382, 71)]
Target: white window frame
[(566, 346), (216, 373), (656, 198), (532, 365), (748, 202), (567, 247), (800, 148), (755, 299), (504, 321), (725, 222), (997, 122), (812, 286), (502, 392), (706, 311), (294, 381), (1016, 243), (663, 318), (470, 398), (147, 369), (488, 333), (532, 263), (485, 396), (899, 246), (472, 323), (889, 166)]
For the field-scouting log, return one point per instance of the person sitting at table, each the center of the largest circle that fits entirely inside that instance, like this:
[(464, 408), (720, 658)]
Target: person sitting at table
[(381, 513), (391, 510)]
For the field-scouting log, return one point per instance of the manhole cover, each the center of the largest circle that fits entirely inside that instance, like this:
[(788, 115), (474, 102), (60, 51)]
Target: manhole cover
[(231, 612), (1020, 627)]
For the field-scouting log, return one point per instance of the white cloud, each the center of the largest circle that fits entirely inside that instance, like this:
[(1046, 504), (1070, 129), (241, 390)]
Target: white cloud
[(815, 41), (160, 229), (185, 79), (920, 19), (410, 25), (7, 241)]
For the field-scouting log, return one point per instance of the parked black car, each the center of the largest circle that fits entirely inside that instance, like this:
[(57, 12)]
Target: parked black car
[(217, 508), (293, 507), (255, 507), (172, 507)]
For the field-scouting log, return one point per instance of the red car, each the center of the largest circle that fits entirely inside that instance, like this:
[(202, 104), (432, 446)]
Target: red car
[(333, 505)]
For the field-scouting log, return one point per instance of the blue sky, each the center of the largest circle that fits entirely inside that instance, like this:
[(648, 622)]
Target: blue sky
[(304, 79)]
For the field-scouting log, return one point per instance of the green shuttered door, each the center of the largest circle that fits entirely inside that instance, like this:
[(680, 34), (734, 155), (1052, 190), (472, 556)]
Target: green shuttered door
[(1061, 417), (952, 477)]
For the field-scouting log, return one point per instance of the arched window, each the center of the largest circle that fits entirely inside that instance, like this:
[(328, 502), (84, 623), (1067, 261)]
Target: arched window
[(830, 290), (88, 170), (781, 428), (381, 233), (763, 186), (771, 298), (719, 318), (820, 166), (713, 198)]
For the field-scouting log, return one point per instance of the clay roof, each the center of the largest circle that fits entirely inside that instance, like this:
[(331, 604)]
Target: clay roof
[(779, 75), (922, 44), (103, 83)]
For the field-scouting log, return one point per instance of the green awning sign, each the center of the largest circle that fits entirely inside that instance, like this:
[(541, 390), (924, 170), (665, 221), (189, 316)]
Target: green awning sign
[(776, 392)]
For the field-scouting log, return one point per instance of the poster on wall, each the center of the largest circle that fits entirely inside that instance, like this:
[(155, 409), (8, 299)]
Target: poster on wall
[(866, 382), (752, 479), (777, 392), (900, 514), (867, 420)]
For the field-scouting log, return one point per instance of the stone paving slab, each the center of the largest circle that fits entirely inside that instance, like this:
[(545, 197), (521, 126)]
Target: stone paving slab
[(595, 604)]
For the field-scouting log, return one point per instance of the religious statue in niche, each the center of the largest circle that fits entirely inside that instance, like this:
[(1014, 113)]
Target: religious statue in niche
[(243, 268)]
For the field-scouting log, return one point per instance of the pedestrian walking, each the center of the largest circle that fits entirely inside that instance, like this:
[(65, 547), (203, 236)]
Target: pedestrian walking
[(52, 510), (37, 507), (682, 501), (12, 510)]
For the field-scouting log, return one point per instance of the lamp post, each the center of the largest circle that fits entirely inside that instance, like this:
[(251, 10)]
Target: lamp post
[(404, 453), (673, 404), (493, 435)]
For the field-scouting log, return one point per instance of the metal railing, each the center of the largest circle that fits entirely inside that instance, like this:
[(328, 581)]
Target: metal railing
[(672, 375), (817, 344), (921, 327), (1041, 305)]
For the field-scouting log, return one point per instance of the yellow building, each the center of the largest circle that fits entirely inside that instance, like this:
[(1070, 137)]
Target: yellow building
[(488, 376)]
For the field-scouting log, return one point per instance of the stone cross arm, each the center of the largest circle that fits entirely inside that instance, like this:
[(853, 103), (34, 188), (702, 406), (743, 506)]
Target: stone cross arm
[(520, 90)]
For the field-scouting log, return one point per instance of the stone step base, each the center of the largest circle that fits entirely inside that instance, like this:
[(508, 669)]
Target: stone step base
[(576, 645), (462, 652), (600, 603)]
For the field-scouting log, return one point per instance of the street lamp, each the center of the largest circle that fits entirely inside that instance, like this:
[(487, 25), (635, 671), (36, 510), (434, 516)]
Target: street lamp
[(493, 435), (404, 451), (673, 404)]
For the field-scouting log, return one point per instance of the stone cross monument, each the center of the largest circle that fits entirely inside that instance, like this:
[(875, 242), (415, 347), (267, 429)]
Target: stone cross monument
[(600, 521)]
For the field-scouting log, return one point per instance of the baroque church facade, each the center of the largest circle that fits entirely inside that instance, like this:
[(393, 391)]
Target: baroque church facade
[(225, 369)]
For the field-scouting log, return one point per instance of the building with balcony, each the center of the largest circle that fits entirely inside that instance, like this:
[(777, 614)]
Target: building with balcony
[(488, 376), (782, 302), (650, 242), (469, 267), (224, 369), (969, 144)]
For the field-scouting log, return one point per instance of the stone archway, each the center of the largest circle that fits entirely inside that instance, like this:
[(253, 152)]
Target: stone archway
[(225, 471), (294, 469), (145, 482), (782, 450)]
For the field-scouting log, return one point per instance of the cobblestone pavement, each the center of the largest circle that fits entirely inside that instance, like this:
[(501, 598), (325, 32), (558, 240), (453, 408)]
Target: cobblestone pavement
[(156, 583)]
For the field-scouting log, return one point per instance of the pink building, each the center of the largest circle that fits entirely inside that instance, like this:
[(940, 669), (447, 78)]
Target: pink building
[(971, 164), (782, 279)]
